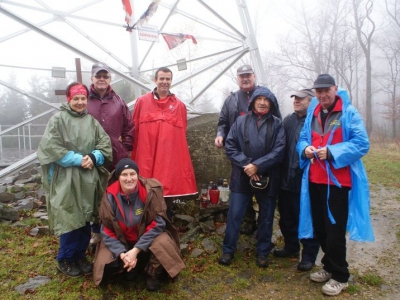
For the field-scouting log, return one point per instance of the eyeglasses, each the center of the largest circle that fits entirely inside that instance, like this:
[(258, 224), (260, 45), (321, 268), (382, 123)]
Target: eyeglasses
[(99, 76)]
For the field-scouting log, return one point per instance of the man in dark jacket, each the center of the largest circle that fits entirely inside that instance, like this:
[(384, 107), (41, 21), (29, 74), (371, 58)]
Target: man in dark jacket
[(235, 105), (289, 197), (111, 111), (255, 146)]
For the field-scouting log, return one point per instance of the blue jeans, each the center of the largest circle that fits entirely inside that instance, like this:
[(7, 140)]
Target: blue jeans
[(73, 244), (237, 210)]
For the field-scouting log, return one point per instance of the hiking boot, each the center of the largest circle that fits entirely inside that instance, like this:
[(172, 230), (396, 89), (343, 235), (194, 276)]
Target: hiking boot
[(225, 259), (285, 253), (320, 276), (152, 284), (305, 265), (262, 261), (85, 266), (95, 239), (333, 287), (68, 268)]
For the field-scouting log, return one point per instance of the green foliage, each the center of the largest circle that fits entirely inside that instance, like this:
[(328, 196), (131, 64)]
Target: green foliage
[(372, 279)]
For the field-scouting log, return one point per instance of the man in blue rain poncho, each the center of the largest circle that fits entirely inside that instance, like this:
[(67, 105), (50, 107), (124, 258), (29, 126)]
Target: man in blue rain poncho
[(334, 193)]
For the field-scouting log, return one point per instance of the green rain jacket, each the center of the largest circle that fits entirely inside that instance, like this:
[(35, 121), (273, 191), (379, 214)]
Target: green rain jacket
[(73, 193)]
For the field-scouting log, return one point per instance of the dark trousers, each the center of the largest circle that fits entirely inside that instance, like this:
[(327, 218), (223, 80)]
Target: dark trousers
[(73, 244), (332, 237), (289, 211)]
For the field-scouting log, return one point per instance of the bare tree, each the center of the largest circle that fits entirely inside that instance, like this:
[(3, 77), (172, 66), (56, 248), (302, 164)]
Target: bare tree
[(365, 28)]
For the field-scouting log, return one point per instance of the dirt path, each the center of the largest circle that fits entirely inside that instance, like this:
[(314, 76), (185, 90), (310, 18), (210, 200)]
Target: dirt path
[(381, 257)]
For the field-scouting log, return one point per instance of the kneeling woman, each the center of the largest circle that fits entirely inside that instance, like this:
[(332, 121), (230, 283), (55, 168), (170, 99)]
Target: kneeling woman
[(134, 223)]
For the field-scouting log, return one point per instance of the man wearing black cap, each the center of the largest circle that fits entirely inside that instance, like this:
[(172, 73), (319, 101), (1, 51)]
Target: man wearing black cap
[(331, 144), (235, 105), (289, 197), (111, 111)]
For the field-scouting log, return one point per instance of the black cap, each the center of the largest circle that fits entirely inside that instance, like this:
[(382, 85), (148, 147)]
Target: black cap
[(123, 164), (323, 81)]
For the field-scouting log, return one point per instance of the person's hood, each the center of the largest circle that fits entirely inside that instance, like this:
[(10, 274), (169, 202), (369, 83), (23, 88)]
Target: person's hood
[(263, 91)]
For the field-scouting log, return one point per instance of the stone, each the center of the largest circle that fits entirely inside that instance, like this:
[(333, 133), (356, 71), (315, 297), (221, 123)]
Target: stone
[(221, 230), (191, 235), (20, 195), (208, 245), (39, 214), (24, 204), (39, 230), (209, 162), (3, 189), (15, 188), (196, 252), (208, 226), (6, 197), (32, 284), (9, 214), (24, 181), (184, 249)]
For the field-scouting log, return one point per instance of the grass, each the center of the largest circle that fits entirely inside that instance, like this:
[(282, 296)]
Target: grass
[(383, 164), (23, 256)]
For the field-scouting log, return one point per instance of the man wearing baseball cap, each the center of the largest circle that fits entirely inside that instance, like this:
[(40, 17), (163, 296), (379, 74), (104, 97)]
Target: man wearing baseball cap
[(331, 144), (289, 196), (235, 105), (111, 111)]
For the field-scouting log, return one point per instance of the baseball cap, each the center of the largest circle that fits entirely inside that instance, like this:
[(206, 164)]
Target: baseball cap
[(323, 81), (99, 66), (302, 93), (246, 69)]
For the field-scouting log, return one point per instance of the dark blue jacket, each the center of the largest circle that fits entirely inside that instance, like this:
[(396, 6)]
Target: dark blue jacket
[(268, 163)]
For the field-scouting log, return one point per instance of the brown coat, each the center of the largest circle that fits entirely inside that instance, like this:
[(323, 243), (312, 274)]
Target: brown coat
[(165, 246)]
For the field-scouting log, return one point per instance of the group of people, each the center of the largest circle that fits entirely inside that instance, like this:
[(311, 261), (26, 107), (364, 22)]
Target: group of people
[(91, 153), (93, 149), (310, 162)]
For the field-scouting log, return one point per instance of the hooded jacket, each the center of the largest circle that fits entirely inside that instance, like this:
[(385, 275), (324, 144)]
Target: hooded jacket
[(165, 246), (344, 154), (230, 111), (268, 162), (73, 193)]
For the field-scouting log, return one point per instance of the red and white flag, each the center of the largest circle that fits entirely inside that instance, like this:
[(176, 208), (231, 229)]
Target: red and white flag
[(174, 40), (126, 4)]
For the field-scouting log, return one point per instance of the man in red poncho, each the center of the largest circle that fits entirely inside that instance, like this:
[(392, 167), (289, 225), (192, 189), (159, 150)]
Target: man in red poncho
[(160, 147)]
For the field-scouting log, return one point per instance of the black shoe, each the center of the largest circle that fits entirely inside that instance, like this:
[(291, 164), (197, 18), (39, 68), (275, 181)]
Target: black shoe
[(305, 266), (68, 268), (248, 228), (130, 276), (285, 253), (85, 266), (262, 261), (152, 284), (225, 259)]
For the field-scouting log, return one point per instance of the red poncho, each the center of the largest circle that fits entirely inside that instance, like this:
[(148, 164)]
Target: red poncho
[(160, 147)]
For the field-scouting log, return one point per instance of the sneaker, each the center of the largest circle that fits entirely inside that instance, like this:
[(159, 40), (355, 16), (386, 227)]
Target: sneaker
[(95, 239), (285, 253), (320, 276), (85, 266), (225, 259), (333, 287), (68, 268), (262, 261), (152, 284)]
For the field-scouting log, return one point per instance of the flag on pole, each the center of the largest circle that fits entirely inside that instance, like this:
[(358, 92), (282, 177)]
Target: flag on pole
[(145, 17), (174, 40), (126, 4)]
